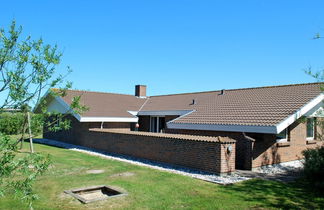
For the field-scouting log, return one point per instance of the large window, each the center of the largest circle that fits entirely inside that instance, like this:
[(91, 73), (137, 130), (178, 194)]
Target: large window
[(282, 136), (310, 128), (157, 124)]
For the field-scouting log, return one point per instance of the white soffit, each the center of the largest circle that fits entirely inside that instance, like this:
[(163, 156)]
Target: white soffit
[(134, 113), (317, 111), (59, 105), (301, 112), (108, 119)]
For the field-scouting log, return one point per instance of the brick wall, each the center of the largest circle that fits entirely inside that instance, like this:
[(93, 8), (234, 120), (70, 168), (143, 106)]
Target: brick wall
[(198, 152), (78, 129), (267, 151), (208, 154), (244, 144), (262, 149)]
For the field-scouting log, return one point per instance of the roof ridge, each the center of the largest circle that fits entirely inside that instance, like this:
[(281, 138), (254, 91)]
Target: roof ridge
[(90, 91), (213, 91)]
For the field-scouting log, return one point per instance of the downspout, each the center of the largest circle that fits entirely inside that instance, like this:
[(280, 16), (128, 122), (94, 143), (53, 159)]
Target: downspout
[(101, 126)]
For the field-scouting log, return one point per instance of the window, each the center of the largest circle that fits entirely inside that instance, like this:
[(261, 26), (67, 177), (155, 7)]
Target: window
[(157, 124), (282, 136), (310, 124)]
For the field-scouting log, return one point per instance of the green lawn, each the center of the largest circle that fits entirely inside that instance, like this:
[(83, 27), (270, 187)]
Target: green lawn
[(153, 189)]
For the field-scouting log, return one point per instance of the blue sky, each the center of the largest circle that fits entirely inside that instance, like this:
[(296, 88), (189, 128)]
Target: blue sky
[(177, 46)]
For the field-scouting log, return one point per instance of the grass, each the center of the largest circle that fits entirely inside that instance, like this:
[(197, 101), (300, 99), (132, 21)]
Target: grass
[(153, 189)]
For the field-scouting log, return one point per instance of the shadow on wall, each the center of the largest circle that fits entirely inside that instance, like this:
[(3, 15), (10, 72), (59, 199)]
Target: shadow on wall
[(271, 156), (265, 150)]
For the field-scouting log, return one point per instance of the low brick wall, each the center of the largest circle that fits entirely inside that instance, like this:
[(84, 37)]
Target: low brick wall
[(257, 149), (199, 152)]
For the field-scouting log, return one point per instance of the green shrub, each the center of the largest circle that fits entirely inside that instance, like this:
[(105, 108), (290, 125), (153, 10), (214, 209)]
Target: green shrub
[(12, 123), (314, 167)]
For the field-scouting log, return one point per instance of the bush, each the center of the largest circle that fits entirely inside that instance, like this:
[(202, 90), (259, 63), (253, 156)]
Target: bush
[(314, 167), (12, 123)]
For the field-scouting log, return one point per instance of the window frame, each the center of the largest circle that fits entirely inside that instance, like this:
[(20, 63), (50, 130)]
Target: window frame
[(157, 118), (313, 124), (280, 140)]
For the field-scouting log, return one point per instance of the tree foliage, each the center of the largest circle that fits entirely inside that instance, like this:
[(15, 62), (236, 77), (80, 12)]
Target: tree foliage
[(314, 167), (314, 158), (28, 67), (17, 173)]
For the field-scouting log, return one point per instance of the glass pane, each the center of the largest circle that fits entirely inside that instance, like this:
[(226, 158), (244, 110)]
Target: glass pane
[(310, 127), (153, 124)]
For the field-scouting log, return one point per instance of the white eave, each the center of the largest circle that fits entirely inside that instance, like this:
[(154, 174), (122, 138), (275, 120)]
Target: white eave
[(299, 113), (108, 119), (230, 128)]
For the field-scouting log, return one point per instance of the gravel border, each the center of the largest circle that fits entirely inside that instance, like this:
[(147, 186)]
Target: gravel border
[(280, 168), (224, 179)]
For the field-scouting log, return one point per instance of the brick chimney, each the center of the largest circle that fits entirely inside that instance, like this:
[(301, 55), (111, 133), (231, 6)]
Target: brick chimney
[(140, 91)]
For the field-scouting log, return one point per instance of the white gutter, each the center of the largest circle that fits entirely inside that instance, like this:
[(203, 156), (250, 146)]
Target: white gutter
[(108, 119), (230, 128)]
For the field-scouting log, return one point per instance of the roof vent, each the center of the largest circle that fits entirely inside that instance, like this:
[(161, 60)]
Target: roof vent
[(222, 92), (194, 102)]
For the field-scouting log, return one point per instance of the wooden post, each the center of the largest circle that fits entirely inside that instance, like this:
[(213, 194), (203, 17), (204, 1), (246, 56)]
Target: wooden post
[(23, 131), (30, 135)]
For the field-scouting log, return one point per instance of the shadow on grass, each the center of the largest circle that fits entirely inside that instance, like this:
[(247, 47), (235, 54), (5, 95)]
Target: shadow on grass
[(273, 194)]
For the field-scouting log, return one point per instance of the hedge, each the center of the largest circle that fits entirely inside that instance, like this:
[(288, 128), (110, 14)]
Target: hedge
[(11, 123)]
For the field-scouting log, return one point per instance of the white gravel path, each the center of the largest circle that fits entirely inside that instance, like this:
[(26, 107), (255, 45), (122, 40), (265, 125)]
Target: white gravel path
[(224, 179), (281, 167)]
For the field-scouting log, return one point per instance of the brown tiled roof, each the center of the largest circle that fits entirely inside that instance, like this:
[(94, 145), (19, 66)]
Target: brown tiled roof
[(106, 104), (265, 106)]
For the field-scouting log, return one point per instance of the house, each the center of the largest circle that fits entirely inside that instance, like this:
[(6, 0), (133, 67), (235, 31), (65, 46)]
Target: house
[(262, 124)]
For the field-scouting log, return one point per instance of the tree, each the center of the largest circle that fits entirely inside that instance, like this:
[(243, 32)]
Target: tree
[(28, 68), (314, 158)]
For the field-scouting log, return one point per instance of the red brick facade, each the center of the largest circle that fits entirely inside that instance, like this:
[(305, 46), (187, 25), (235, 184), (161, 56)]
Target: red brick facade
[(267, 151), (250, 150), (244, 144), (203, 153), (263, 149)]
